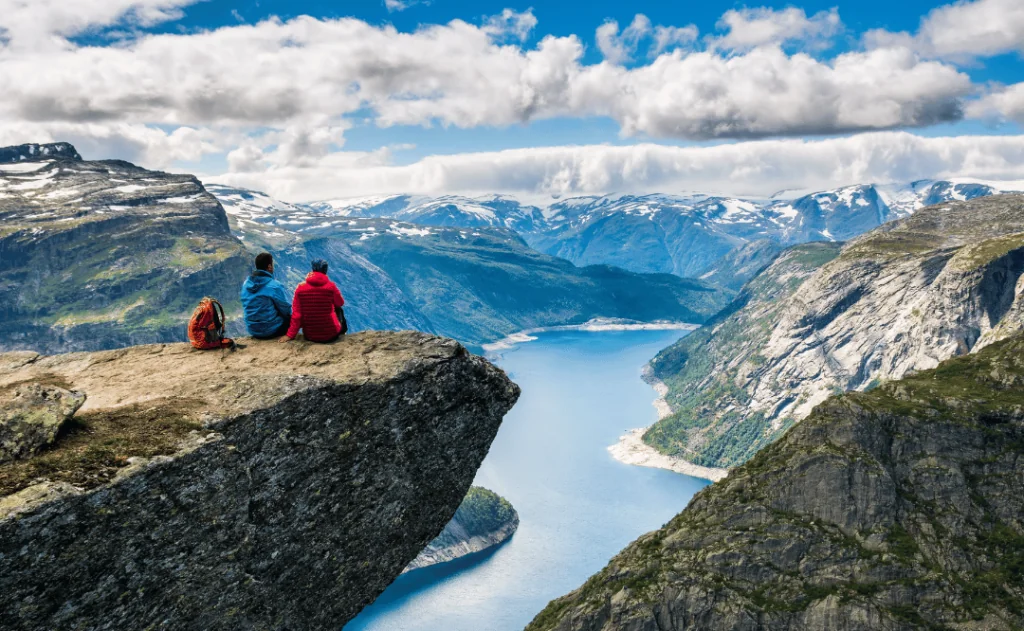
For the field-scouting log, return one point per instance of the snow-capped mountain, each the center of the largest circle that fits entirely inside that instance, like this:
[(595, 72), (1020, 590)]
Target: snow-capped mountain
[(450, 211), (685, 235)]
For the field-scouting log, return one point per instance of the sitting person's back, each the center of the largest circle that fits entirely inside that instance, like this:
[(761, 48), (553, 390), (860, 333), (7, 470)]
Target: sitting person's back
[(316, 307), (265, 303)]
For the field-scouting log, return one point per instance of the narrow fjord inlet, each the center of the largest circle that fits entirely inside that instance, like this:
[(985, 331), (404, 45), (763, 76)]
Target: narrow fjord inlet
[(578, 506)]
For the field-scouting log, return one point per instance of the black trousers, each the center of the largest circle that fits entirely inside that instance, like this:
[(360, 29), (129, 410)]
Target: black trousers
[(283, 330)]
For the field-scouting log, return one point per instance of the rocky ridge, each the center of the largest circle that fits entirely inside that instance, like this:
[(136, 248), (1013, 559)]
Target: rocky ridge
[(944, 282), (901, 508), (269, 487)]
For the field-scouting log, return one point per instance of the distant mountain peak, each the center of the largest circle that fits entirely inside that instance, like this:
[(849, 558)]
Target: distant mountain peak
[(34, 152)]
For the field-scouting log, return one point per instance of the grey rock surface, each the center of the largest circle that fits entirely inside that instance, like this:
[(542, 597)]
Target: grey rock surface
[(31, 414), (301, 480), (899, 509)]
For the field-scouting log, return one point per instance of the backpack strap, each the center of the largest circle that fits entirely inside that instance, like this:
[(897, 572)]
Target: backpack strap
[(218, 314)]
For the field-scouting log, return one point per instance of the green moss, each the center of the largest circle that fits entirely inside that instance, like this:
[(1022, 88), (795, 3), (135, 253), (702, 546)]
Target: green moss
[(93, 446)]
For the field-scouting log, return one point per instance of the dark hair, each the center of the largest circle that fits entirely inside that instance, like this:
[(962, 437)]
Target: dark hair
[(320, 265), (263, 260)]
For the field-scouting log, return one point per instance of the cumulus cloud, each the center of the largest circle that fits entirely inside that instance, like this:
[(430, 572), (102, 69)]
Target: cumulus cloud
[(1006, 103), (45, 23), (981, 28), (510, 23), (670, 37), (750, 28), (962, 31), (748, 168), (618, 47), (767, 92), (276, 98), (308, 72)]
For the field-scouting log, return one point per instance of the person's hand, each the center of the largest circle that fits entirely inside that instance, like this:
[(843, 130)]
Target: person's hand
[(284, 339)]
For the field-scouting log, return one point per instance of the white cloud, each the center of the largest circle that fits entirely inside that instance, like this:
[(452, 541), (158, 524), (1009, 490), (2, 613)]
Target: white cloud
[(153, 147), (767, 92), (669, 37), (44, 23), (401, 5), (749, 168), (973, 29), (510, 23), (750, 28), (618, 48), (308, 73), (1005, 103)]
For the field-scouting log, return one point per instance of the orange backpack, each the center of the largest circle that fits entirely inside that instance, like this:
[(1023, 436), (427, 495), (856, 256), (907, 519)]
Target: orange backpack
[(206, 326)]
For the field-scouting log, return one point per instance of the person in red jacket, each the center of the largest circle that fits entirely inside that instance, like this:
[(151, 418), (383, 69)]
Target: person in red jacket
[(317, 308)]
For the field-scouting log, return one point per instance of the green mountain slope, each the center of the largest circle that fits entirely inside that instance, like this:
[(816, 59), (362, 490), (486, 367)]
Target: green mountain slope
[(941, 283), (486, 284), (98, 255), (900, 508)]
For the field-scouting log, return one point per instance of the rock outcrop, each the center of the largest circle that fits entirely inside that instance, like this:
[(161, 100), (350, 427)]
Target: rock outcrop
[(484, 521), (98, 255), (902, 298), (276, 486), (901, 508), (31, 415)]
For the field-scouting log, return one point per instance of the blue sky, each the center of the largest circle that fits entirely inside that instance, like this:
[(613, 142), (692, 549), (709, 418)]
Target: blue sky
[(308, 99)]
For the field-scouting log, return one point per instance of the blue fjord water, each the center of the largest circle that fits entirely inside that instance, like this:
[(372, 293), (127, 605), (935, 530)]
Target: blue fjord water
[(578, 507)]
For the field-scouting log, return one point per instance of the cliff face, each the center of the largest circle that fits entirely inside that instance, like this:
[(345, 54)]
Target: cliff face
[(901, 508), (902, 298), (97, 255), (484, 520), (272, 487)]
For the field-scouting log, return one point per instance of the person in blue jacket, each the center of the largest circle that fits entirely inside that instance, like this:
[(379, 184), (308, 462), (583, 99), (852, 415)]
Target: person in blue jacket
[(265, 305)]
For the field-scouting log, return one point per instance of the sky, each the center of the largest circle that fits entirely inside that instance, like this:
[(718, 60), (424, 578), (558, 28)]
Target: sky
[(314, 99)]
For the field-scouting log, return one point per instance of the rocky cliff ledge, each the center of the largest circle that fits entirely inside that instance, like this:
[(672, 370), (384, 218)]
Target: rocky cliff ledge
[(271, 487), (901, 508)]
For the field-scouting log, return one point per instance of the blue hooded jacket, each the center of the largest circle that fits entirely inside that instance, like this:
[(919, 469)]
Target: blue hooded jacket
[(265, 304)]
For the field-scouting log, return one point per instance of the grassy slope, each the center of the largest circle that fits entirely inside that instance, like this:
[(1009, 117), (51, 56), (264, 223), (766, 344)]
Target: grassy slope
[(701, 369)]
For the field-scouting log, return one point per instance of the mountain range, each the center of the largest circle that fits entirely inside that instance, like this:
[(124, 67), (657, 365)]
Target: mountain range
[(104, 254), (685, 235), (476, 284)]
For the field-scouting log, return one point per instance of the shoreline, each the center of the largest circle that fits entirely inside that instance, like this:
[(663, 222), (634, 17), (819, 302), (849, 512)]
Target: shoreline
[(597, 324), (631, 449)]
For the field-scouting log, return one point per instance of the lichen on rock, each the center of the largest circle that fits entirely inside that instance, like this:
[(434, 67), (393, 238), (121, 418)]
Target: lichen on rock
[(31, 414)]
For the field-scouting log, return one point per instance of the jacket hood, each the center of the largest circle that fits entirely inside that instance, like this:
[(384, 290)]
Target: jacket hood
[(258, 279), (317, 279)]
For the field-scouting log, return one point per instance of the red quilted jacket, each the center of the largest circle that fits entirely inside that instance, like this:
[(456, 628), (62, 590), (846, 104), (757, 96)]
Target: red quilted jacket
[(313, 309)]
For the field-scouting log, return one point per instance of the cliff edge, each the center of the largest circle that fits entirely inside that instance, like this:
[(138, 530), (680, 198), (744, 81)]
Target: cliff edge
[(271, 487)]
